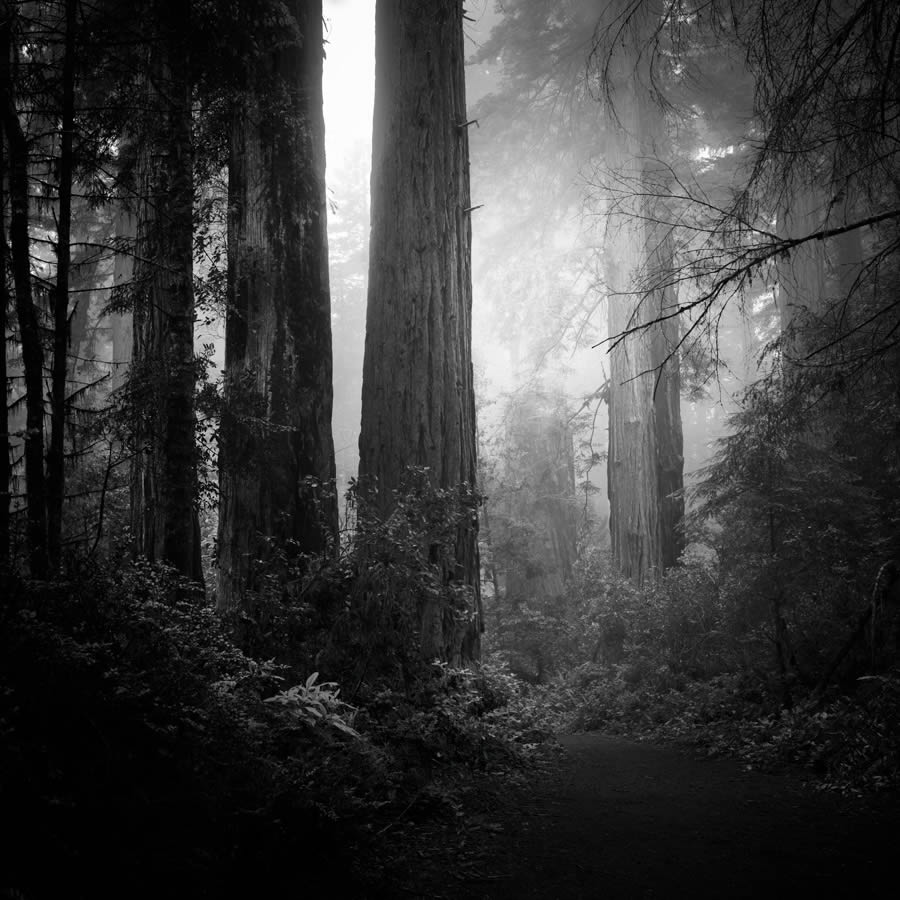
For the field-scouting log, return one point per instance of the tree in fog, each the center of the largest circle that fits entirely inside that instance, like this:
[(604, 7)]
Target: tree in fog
[(418, 404), (276, 449), (531, 528), (810, 203), (645, 465), (556, 115), (807, 209), (807, 224)]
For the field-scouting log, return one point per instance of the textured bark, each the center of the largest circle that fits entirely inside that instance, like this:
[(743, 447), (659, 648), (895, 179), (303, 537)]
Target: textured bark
[(164, 470), (26, 314), (418, 404), (646, 462), (634, 489), (56, 465), (667, 404), (275, 442)]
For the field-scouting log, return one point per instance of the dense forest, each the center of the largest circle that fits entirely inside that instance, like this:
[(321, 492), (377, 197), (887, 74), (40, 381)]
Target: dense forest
[(616, 341)]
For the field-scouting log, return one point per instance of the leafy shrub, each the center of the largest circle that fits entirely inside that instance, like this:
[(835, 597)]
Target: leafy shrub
[(317, 704), (136, 737), (392, 568)]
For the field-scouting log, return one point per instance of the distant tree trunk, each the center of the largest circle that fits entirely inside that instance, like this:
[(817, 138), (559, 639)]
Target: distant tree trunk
[(667, 404), (121, 321), (802, 274), (646, 463), (540, 438), (26, 313), (164, 468), (276, 450), (418, 405), (56, 463)]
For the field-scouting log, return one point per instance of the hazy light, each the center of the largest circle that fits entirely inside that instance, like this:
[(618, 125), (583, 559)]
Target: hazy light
[(349, 77)]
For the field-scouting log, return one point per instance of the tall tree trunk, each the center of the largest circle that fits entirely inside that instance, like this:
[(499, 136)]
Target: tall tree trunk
[(645, 464), (5, 449), (634, 488), (29, 328), (121, 321), (164, 471), (418, 405), (56, 464), (277, 466), (667, 401)]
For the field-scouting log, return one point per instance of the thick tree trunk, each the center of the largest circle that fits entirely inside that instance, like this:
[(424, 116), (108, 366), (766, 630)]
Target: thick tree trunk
[(276, 450), (418, 404), (646, 462), (56, 463), (164, 470), (29, 328), (634, 488), (634, 501)]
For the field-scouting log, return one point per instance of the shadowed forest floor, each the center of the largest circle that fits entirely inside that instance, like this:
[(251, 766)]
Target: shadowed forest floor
[(611, 818)]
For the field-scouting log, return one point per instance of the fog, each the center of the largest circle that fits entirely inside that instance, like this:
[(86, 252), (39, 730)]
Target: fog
[(537, 315)]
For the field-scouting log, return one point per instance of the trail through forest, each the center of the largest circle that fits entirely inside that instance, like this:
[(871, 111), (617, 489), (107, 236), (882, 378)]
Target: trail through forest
[(618, 819)]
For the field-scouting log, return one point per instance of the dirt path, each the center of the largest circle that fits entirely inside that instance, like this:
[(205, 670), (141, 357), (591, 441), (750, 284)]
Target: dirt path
[(618, 819)]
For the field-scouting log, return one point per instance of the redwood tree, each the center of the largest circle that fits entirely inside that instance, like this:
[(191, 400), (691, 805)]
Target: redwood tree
[(56, 462), (276, 449), (645, 467), (164, 470), (418, 404)]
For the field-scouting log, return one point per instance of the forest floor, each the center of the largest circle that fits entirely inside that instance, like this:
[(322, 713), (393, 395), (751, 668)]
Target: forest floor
[(610, 818)]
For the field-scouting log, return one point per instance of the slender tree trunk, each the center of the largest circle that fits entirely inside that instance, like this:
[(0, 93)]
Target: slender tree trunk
[(418, 405), (276, 476), (121, 322), (29, 328), (667, 403), (164, 471), (56, 468), (5, 449)]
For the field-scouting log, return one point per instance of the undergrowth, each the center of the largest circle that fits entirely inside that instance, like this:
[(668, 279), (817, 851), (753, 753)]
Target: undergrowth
[(137, 737), (848, 742)]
